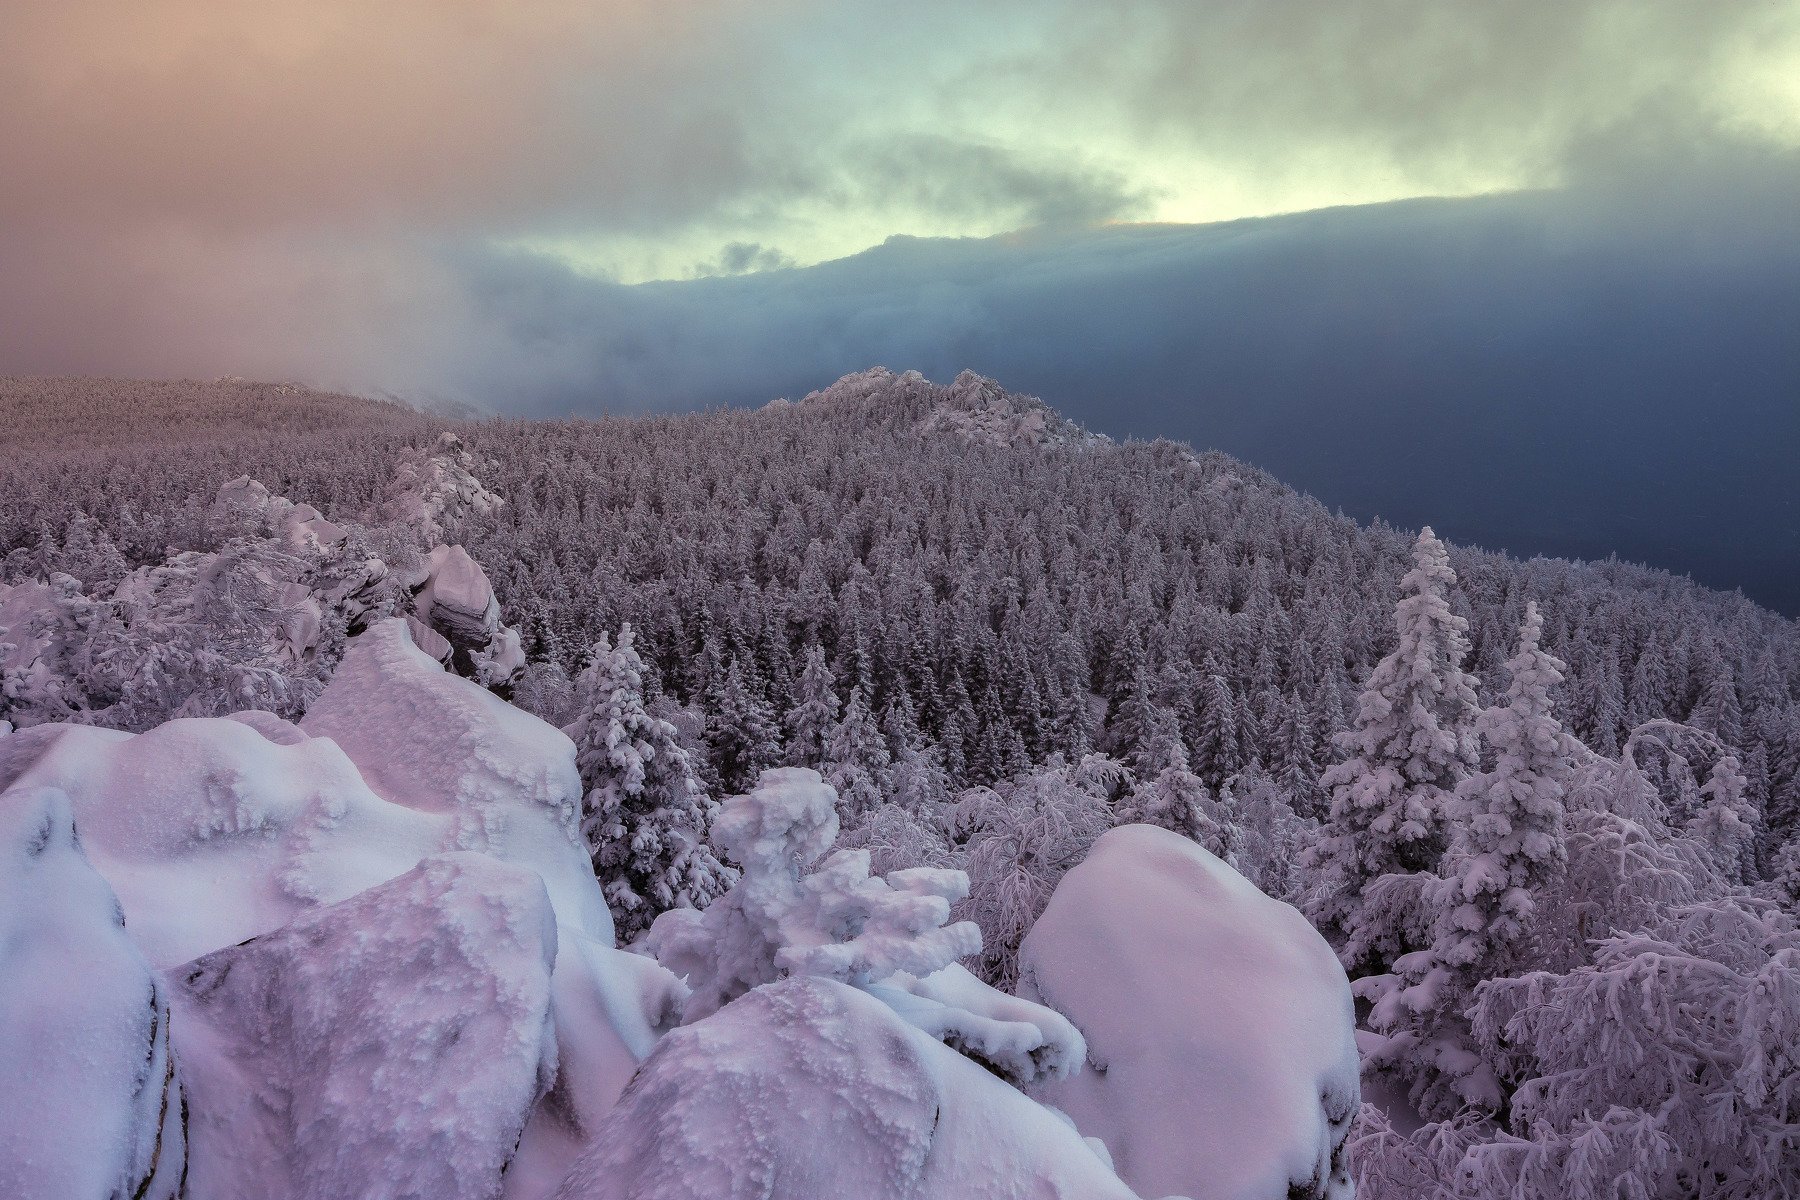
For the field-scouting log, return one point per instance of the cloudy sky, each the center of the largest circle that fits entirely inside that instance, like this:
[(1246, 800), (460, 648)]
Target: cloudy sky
[(620, 206)]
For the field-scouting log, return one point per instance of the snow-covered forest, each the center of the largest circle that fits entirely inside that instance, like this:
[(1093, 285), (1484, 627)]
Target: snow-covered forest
[(865, 703)]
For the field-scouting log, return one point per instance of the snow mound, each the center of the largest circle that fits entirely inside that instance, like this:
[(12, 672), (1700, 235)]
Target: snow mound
[(1219, 1024), (809, 1088), (90, 1106), (427, 740), (396, 1041)]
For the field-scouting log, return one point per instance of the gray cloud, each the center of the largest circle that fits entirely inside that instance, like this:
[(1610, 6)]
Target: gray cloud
[(1607, 368), (316, 190)]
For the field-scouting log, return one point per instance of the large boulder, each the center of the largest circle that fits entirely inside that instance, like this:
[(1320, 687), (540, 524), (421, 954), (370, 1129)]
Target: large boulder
[(811, 1088), (427, 740), (391, 1045), (1220, 1027), (90, 1103), (216, 830)]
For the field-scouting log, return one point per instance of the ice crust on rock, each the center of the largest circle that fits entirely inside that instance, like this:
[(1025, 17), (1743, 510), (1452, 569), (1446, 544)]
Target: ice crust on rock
[(90, 1103), (1220, 1028), (810, 1088), (390, 1045)]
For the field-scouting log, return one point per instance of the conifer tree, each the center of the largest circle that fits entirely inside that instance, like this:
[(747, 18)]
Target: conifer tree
[(644, 816), (1509, 847), (814, 715), (741, 736), (857, 760), (1409, 748)]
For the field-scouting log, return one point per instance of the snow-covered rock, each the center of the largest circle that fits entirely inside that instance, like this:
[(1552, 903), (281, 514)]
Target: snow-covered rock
[(216, 830), (431, 488), (90, 1104), (972, 407), (808, 1088), (1220, 1028), (429, 741), (391, 1045), (979, 409), (213, 830), (458, 604)]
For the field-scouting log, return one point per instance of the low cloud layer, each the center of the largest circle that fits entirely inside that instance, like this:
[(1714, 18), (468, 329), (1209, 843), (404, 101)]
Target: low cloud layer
[(428, 199)]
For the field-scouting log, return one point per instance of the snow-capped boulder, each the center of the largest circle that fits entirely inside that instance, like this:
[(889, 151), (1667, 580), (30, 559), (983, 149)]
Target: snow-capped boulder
[(90, 1104), (393, 1044), (212, 831), (457, 599), (1220, 1028), (245, 502), (429, 741), (458, 603), (810, 1088)]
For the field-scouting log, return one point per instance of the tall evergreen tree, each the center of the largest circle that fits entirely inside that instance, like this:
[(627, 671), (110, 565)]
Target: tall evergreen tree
[(814, 715), (1408, 750), (1509, 847), (857, 760), (644, 816), (741, 735)]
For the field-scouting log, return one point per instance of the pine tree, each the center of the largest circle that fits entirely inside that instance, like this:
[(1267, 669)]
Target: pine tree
[(1725, 821), (644, 816), (1296, 761), (1509, 847), (1176, 799), (857, 760), (1409, 748), (741, 737), (1217, 748), (1719, 712), (812, 718)]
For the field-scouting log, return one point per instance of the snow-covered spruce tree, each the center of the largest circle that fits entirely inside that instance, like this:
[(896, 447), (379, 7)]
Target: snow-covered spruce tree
[(1177, 800), (815, 714), (856, 759), (643, 814), (1726, 821), (741, 736), (1408, 749), (1507, 848), (887, 935)]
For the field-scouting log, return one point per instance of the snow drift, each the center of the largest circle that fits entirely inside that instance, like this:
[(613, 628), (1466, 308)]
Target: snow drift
[(1221, 1057)]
